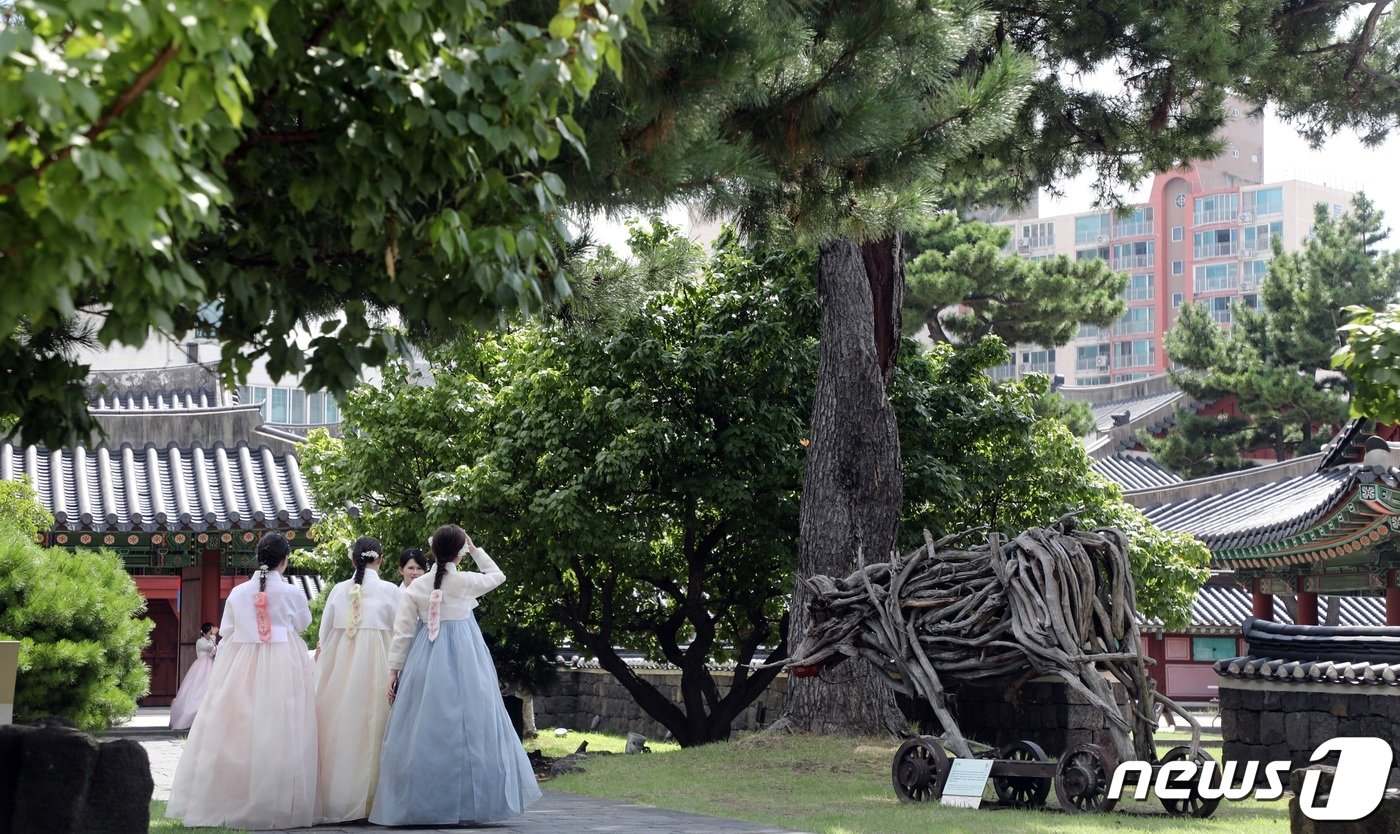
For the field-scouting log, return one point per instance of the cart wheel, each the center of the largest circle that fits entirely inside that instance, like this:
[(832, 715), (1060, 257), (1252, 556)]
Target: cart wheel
[(1022, 791), (920, 770), (1195, 805), (1082, 779)]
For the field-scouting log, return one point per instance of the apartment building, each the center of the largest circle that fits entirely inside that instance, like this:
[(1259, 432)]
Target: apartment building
[(1204, 235)]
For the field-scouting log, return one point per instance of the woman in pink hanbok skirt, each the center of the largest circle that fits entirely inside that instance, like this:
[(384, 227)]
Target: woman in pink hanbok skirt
[(196, 681)]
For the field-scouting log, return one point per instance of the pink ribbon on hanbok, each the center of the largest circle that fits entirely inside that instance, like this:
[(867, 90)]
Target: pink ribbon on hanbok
[(355, 612), (434, 614), (261, 615)]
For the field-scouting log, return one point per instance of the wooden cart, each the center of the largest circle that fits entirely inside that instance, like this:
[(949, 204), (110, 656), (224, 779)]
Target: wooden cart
[(1022, 774)]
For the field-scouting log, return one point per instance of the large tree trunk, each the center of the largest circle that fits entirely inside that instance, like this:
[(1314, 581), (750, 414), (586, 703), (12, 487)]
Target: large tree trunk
[(854, 486)]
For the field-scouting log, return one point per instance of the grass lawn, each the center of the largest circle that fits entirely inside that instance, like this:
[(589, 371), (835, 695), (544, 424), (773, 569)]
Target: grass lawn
[(842, 786), (161, 825)]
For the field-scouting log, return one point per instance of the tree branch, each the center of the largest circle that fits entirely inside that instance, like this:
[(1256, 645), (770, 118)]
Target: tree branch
[(125, 100)]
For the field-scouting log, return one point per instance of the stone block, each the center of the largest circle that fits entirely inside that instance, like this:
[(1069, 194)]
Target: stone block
[(56, 766), (1384, 820), (11, 753), (119, 796), (1367, 725), (1270, 699), (1295, 701), (1340, 707), (1246, 727), (1271, 728), (1229, 699)]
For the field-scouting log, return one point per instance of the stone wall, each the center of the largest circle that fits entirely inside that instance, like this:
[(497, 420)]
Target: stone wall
[(577, 696), (1044, 711), (1275, 722)]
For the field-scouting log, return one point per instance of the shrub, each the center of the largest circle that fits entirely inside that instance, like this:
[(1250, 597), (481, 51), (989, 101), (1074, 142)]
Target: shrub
[(76, 617), (20, 508)]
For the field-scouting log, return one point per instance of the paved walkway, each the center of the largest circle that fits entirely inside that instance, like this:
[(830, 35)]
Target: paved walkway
[(556, 813)]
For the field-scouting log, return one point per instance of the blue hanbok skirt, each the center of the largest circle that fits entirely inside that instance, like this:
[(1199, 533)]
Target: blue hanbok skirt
[(450, 754)]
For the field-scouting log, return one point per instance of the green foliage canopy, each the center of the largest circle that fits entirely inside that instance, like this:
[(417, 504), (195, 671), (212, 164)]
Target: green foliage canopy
[(254, 165)]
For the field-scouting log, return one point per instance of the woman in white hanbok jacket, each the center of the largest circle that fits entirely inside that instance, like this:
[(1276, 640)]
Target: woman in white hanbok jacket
[(352, 673), (450, 753), (250, 760)]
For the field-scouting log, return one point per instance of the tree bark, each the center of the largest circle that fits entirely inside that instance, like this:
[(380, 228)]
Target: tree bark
[(854, 485)]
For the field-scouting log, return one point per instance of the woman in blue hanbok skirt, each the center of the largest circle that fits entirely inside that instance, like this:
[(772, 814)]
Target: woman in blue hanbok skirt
[(450, 754)]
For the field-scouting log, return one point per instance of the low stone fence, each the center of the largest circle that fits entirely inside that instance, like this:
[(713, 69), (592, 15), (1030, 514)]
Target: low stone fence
[(1266, 722), (584, 699)]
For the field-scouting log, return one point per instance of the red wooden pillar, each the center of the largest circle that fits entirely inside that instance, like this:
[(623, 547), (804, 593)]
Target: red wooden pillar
[(1392, 599), (1263, 603), (1307, 603), (209, 587)]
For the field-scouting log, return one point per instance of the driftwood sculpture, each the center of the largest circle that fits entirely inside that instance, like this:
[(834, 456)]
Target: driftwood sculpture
[(1056, 601)]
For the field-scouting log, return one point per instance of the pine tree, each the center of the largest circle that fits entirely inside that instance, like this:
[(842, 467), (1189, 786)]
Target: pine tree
[(814, 122), (1275, 361), (961, 285)]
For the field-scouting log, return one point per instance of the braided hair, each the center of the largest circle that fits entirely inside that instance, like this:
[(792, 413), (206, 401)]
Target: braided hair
[(365, 550), (446, 544), (273, 548)]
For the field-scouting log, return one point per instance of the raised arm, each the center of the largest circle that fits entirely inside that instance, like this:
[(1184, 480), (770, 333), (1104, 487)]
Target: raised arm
[(487, 575)]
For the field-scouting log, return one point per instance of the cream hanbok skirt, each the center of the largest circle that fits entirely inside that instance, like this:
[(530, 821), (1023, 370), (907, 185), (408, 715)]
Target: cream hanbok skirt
[(352, 678), (250, 759)]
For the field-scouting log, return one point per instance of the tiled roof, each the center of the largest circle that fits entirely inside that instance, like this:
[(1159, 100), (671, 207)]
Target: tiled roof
[(170, 488), (186, 400), (1135, 407), (1259, 514), (1317, 654), (1223, 608), (310, 584), (1135, 472), (1304, 671)]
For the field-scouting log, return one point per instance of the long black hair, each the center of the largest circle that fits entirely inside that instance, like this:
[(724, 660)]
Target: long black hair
[(413, 554), (272, 550), (365, 550), (446, 543)]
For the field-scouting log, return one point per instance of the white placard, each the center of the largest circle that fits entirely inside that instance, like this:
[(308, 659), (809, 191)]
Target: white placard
[(967, 780)]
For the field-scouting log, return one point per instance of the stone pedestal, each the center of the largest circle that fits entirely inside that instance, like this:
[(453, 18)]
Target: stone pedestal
[(1044, 711)]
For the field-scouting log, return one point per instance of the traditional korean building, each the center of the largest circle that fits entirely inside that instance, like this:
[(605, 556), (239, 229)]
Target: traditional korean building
[(182, 485)]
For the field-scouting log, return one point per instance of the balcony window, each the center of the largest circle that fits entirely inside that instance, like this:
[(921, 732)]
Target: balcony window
[(1101, 253), (1219, 308), (1217, 208), (1258, 238), (1140, 288), (1264, 202), (1133, 255), (1091, 229), (1036, 236), (1135, 321), (1217, 243), (1217, 277), (1135, 354), (1137, 224)]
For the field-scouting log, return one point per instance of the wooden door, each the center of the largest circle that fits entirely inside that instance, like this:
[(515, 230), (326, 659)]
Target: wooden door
[(162, 656)]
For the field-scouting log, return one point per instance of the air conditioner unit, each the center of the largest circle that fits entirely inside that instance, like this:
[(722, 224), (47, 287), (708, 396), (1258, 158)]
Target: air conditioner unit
[(1023, 245), (1249, 284), (1101, 239), (1100, 361), (1246, 217)]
